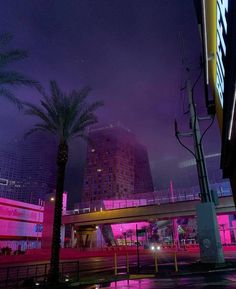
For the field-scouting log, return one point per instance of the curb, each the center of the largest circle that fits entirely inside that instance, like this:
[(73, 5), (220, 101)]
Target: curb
[(161, 276)]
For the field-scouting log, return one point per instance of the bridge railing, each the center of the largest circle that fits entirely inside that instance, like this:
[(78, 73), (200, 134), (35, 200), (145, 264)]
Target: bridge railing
[(153, 198)]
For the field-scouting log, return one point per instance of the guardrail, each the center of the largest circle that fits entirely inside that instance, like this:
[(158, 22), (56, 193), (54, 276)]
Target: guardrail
[(27, 275)]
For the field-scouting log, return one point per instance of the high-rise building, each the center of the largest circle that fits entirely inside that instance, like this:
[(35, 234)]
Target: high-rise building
[(117, 165), (28, 168)]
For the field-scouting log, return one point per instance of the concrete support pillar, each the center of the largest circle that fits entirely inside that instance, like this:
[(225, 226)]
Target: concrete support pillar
[(86, 237), (72, 238), (209, 238), (175, 232)]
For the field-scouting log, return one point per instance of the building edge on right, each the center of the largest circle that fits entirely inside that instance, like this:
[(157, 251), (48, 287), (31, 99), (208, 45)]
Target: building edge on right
[(217, 22)]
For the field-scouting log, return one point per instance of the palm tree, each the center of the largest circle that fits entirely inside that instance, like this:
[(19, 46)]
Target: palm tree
[(12, 78), (66, 117)]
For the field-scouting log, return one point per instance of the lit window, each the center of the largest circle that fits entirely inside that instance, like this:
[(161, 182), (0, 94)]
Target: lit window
[(99, 170), (92, 150)]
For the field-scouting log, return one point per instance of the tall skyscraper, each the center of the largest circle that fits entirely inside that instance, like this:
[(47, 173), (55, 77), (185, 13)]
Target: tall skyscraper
[(117, 165), (28, 168)]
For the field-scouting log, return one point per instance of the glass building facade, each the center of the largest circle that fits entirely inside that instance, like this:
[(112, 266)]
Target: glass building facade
[(28, 168)]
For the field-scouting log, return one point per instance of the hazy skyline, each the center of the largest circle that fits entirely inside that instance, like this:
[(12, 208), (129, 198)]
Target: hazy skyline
[(132, 53)]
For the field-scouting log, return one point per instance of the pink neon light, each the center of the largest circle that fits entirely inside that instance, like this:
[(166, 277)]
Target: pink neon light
[(224, 227)]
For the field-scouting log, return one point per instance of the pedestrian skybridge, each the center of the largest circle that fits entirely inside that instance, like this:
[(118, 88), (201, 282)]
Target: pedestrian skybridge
[(124, 211)]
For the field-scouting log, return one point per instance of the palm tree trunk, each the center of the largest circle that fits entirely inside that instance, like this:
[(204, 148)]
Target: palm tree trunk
[(62, 157)]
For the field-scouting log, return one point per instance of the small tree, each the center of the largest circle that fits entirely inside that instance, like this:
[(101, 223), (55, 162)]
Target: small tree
[(12, 78), (66, 117)]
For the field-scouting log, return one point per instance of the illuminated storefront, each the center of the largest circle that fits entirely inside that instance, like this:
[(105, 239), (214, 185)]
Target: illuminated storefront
[(21, 224)]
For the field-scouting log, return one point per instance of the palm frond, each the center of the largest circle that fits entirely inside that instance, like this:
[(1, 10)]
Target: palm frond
[(34, 110), (11, 56), (31, 131), (14, 78), (83, 123), (11, 97), (56, 95), (58, 103), (95, 105), (51, 112), (39, 127), (77, 104), (87, 112), (79, 96), (46, 127), (86, 117), (66, 116)]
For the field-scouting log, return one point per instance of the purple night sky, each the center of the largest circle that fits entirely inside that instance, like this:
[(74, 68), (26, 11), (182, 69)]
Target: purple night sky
[(130, 52)]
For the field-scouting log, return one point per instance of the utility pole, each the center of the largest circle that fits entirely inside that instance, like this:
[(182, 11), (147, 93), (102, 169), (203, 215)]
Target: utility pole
[(208, 230), (199, 155)]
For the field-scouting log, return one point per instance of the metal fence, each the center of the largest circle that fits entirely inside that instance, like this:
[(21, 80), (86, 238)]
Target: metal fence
[(18, 276)]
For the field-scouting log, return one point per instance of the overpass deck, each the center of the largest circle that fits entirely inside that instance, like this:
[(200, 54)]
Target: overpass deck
[(145, 213)]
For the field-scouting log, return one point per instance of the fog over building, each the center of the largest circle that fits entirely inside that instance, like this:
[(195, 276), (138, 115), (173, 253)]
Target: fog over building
[(117, 166), (28, 168)]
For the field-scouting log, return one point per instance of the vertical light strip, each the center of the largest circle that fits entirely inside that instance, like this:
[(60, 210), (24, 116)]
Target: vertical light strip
[(205, 40), (232, 116)]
